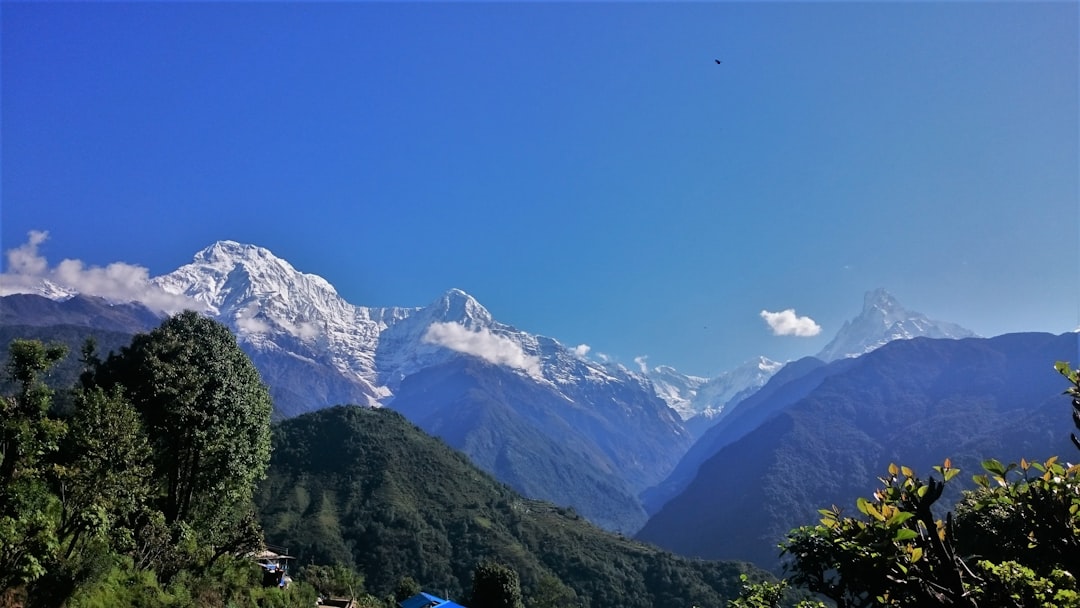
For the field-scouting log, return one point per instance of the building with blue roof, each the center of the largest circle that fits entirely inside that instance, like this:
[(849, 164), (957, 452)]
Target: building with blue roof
[(426, 600)]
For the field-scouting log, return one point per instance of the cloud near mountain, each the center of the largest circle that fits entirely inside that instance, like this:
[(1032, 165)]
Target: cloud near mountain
[(483, 344), (29, 272), (787, 323)]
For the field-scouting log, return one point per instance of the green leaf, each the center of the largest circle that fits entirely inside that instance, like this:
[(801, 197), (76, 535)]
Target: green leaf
[(863, 505), (873, 512), (900, 517), (992, 465), (905, 534)]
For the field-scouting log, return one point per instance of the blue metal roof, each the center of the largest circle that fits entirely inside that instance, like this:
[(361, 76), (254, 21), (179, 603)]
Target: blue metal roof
[(426, 600)]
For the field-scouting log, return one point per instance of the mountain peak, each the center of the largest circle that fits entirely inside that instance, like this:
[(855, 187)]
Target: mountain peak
[(457, 305), (881, 300), (881, 321), (229, 276), (231, 251)]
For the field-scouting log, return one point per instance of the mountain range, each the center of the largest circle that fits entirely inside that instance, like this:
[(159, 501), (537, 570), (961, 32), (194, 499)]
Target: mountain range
[(551, 423), (820, 434)]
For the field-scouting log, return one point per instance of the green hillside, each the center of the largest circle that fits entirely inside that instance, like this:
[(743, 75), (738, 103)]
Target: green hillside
[(366, 488)]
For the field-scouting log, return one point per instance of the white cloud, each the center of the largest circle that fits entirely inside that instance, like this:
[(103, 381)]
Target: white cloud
[(581, 350), (642, 362), (484, 344), (787, 323), (251, 325), (28, 271)]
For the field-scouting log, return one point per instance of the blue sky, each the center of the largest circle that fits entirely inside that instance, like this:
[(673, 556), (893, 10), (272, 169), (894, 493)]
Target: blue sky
[(587, 171)]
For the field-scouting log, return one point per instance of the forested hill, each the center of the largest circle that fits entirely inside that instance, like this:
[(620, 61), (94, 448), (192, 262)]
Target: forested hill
[(366, 488)]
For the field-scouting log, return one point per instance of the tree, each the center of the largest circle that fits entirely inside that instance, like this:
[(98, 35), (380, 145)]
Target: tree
[(495, 586), (28, 437), (335, 581), (105, 472), (768, 594), (1012, 542), (406, 588), (207, 415), (550, 592), (1073, 376)]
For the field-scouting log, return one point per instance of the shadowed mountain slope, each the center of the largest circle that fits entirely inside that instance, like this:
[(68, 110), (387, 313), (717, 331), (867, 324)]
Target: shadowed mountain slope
[(912, 402)]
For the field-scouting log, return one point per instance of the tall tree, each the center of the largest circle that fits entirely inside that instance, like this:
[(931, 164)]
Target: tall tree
[(207, 414), (496, 586), (27, 438), (106, 469)]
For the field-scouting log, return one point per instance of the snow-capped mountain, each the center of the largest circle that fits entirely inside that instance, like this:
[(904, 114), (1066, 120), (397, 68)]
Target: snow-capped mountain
[(315, 349), (273, 308), (881, 321), (693, 396), (678, 390)]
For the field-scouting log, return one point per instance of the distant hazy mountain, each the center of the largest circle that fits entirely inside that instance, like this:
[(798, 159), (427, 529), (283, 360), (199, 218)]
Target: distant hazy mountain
[(314, 349), (821, 434), (80, 311), (677, 389), (693, 396), (703, 402), (881, 321)]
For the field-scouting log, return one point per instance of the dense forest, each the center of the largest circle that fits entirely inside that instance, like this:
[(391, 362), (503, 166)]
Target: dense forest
[(367, 488)]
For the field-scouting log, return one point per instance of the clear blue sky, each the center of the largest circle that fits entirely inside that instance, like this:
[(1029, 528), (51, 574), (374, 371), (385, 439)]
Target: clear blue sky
[(587, 171)]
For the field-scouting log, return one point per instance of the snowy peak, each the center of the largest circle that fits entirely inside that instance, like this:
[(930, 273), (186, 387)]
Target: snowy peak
[(691, 396), (459, 307), (881, 321), (229, 277)]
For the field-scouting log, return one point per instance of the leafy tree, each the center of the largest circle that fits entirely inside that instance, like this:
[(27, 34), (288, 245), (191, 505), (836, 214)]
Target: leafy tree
[(207, 415), (1013, 542), (334, 581), (1073, 376), (106, 470), (406, 588), (550, 592), (26, 433), (28, 536), (768, 594), (495, 586)]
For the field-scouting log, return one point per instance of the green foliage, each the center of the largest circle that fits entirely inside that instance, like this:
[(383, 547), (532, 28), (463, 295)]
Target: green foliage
[(367, 489), (1073, 376), (98, 497), (333, 581), (1014, 541), (769, 594), (28, 438), (207, 415), (229, 582), (550, 592), (406, 588), (495, 585), (83, 500)]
